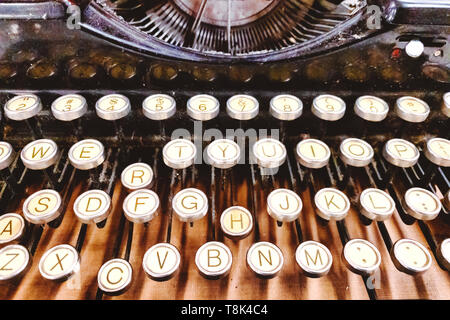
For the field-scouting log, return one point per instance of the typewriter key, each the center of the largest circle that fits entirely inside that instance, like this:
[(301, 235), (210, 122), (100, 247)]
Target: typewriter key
[(265, 259), (23, 107), (59, 263), (214, 260), (42, 207), (376, 204), (141, 206), (410, 256), (437, 150), (371, 108), (92, 206), (12, 228), (314, 259), (412, 109), (401, 153), (113, 107), (331, 204), (179, 153), (87, 154), (444, 253), (269, 153), (446, 104), (361, 256), (223, 153), (242, 107), (39, 154), (115, 276), (203, 107), (7, 155), (69, 107), (355, 152), (312, 153), (159, 107), (286, 107), (422, 204), (190, 204), (161, 262), (284, 205), (14, 261), (328, 107), (137, 176), (236, 222)]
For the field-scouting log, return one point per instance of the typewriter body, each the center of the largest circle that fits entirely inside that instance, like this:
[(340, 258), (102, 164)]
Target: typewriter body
[(336, 111)]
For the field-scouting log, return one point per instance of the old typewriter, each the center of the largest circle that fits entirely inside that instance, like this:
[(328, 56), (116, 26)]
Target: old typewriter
[(225, 149)]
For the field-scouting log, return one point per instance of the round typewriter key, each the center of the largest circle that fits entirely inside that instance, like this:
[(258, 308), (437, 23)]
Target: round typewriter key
[(14, 261), (328, 107), (113, 107), (39, 154), (401, 153), (412, 109), (92, 206), (265, 259), (284, 205), (213, 260), (12, 228), (414, 48), (223, 153), (444, 253), (87, 154), (446, 105), (190, 204), (269, 153), (179, 153), (376, 204), (422, 204), (159, 107), (69, 107), (137, 176), (7, 155), (203, 107), (59, 263), (242, 107), (286, 107), (331, 204), (371, 108), (410, 256), (361, 256), (23, 107), (314, 258), (437, 150), (355, 152), (42, 207), (312, 153), (236, 222), (115, 276), (162, 261), (141, 206)]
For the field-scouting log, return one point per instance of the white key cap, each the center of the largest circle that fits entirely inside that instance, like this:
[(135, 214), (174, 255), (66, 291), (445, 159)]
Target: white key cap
[(265, 259), (161, 262), (92, 206), (214, 260), (115, 276), (113, 107), (269, 153), (223, 153), (371, 108), (356, 152), (159, 107), (410, 256), (236, 222), (42, 207), (14, 261), (328, 107), (59, 263), (412, 109), (7, 155), (361, 256), (331, 204), (179, 153), (314, 258), (401, 153), (39, 154), (137, 176), (242, 107), (422, 204), (69, 107), (284, 205), (141, 206), (87, 154), (190, 204), (203, 107), (12, 228), (286, 107), (23, 107), (437, 150), (312, 153), (376, 204)]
